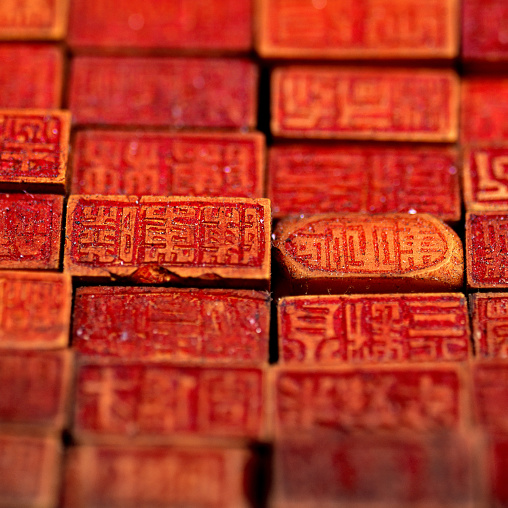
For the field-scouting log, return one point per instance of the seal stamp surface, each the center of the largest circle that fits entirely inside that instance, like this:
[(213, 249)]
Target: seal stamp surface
[(372, 179), (490, 390), (185, 325), (31, 76), (353, 30), (29, 470), (326, 330), (424, 398), (374, 470), (176, 92), (484, 110), (201, 477), (33, 19), (484, 35), (369, 253), (169, 239), (34, 390), (34, 146), (182, 164), (358, 103), (157, 402), (490, 324), (486, 255), (204, 25), (485, 175), (35, 310), (30, 231)]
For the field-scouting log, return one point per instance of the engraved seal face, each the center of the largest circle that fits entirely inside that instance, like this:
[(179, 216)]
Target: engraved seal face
[(367, 245)]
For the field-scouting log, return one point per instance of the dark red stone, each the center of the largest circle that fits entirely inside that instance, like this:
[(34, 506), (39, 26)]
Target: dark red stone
[(176, 92), (354, 329), (30, 231), (160, 402), (31, 76), (203, 25), (315, 179), (176, 163), (34, 390), (184, 325)]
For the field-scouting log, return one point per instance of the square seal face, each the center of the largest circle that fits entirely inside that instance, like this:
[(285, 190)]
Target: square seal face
[(34, 149), (35, 310), (31, 76), (30, 231), (29, 470), (486, 256), (484, 35)]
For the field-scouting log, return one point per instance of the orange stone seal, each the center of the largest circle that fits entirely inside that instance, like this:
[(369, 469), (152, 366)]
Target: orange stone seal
[(369, 253)]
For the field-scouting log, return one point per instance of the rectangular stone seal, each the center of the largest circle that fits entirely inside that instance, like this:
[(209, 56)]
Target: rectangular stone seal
[(29, 471), (128, 476), (209, 26), (30, 231), (370, 29), (496, 468), (176, 239), (490, 395), (168, 163), (486, 254), (484, 110), (33, 19), (357, 329), (381, 471), (35, 310), (490, 325), (364, 104), (485, 181), (31, 75), (34, 389), (176, 92), (162, 402), (306, 179), (182, 325), (484, 36), (368, 253), (424, 398), (34, 147)]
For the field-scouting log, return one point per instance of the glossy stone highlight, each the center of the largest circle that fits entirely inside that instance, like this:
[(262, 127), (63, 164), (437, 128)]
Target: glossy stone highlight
[(369, 253)]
